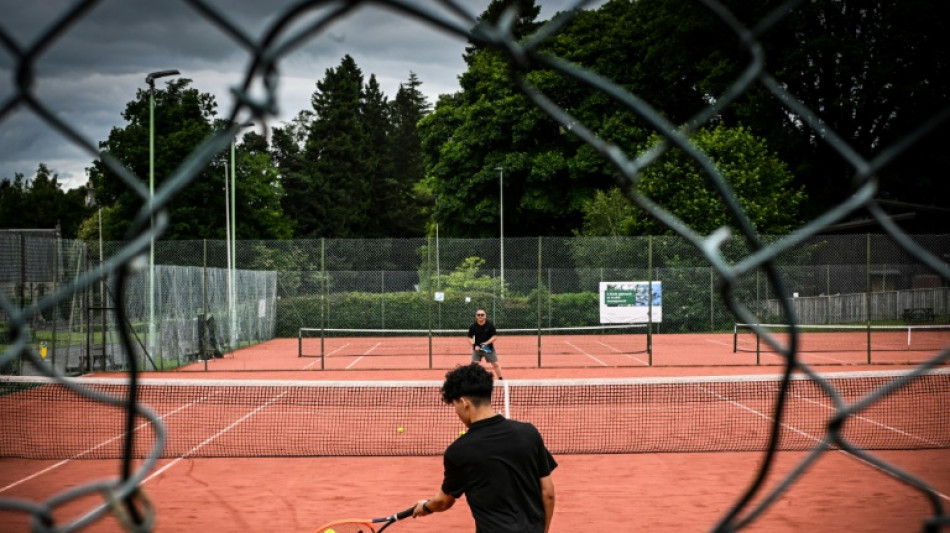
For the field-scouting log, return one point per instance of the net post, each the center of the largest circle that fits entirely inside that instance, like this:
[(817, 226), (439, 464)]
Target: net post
[(735, 338), (758, 350), (507, 399), (322, 349), (430, 346), (539, 347), (299, 342)]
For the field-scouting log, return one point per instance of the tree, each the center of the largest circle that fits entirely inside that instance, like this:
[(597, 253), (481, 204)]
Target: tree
[(351, 167), (336, 152), (184, 118), (872, 71), (759, 179), (287, 153), (41, 202), (406, 206), (490, 125), (259, 215)]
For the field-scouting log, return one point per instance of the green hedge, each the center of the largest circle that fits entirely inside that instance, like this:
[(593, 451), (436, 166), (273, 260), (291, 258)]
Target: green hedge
[(413, 310)]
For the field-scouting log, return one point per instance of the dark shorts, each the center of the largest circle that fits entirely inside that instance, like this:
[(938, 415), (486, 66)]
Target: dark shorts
[(491, 357)]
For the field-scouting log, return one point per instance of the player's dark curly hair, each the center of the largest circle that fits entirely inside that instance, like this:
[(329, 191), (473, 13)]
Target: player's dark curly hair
[(471, 381)]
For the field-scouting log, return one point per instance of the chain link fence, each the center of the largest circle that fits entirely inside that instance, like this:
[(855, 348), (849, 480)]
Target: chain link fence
[(417, 284), (199, 310)]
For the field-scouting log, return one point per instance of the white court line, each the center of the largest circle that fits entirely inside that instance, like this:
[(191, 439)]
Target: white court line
[(585, 353), (196, 448), (872, 422), (721, 343), (628, 356), (100, 445), (806, 435), (810, 355), (216, 435), (367, 352), (328, 355)]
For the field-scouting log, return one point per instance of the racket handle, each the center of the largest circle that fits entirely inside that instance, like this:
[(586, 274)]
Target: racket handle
[(405, 514)]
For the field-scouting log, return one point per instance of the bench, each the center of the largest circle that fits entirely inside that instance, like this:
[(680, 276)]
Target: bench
[(918, 314)]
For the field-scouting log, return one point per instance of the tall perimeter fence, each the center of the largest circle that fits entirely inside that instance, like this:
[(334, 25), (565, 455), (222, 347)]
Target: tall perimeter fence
[(418, 284), (751, 275), (184, 308)]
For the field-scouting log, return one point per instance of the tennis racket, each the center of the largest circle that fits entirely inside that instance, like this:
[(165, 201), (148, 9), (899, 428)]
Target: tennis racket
[(364, 525)]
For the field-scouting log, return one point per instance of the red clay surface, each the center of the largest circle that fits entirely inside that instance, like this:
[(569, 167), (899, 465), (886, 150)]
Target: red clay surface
[(642, 492), (601, 353), (662, 492)]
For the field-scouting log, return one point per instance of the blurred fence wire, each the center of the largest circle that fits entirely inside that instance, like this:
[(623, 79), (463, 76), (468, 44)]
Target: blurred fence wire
[(257, 99)]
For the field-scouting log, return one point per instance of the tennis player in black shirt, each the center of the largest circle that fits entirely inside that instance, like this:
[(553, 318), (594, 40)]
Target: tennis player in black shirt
[(500, 465), (482, 334)]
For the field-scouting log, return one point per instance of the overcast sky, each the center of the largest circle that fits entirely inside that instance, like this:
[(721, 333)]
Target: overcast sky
[(89, 74)]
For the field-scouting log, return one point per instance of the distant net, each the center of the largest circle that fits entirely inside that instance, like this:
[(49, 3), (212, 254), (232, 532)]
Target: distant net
[(218, 418), (845, 338), (603, 345)]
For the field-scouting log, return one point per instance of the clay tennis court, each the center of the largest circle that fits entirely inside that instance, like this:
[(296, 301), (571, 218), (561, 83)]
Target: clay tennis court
[(571, 352), (606, 491)]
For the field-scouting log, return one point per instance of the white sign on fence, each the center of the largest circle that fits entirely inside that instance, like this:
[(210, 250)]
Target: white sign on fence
[(631, 302)]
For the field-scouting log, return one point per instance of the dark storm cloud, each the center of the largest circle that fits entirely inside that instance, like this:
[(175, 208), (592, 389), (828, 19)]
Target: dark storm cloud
[(91, 71)]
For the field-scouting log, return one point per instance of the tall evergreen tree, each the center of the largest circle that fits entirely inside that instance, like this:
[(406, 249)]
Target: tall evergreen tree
[(361, 161), (374, 113), (287, 144), (409, 207), (338, 193)]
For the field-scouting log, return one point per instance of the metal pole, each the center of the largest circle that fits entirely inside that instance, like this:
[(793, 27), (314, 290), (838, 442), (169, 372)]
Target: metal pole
[(227, 252), (501, 217), (232, 269), (151, 227), (150, 80), (540, 269), (233, 258), (867, 295), (650, 301)]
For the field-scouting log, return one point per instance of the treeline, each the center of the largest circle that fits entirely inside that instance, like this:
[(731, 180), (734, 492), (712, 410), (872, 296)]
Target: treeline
[(357, 164)]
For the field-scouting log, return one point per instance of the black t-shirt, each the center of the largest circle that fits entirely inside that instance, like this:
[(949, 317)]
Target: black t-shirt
[(498, 465), (481, 332)]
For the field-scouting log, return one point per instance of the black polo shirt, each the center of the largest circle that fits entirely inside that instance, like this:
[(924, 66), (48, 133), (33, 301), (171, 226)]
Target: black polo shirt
[(497, 465), (481, 332)]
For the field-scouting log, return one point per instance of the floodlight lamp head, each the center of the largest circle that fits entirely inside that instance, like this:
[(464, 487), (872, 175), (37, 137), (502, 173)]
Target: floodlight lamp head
[(152, 76)]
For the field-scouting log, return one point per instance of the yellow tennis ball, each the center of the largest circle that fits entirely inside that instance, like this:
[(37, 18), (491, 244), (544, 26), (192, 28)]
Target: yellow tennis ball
[(399, 430), (331, 530), (461, 432)]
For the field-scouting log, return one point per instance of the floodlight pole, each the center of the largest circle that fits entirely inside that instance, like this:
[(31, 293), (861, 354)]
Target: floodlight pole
[(150, 80), (501, 217), (232, 257), (227, 253)]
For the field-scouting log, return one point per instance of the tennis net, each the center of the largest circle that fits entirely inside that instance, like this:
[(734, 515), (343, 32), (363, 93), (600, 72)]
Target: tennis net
[(848, 337), (217, 418), (602, 345)]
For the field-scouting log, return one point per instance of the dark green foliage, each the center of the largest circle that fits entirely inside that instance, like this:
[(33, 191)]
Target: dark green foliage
[(40, 203)]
